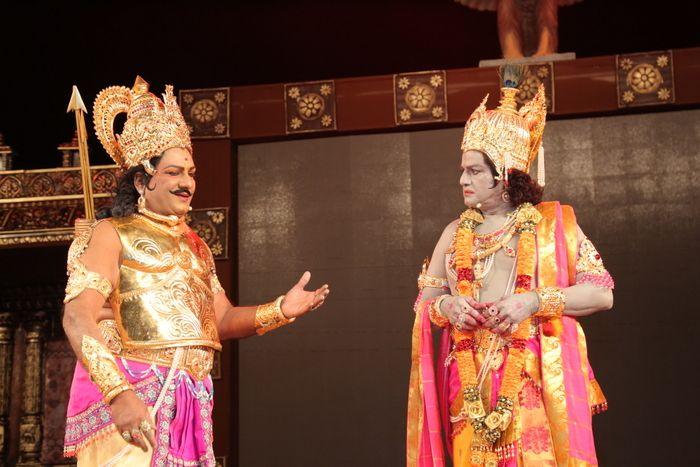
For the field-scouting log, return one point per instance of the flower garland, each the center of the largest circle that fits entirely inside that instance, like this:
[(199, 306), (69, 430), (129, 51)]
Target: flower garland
[(464, 243), (488, 428)]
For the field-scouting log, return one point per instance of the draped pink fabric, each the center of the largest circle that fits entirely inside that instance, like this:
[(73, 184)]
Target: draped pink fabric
[(581, 444), (431, 451), (183, 422)]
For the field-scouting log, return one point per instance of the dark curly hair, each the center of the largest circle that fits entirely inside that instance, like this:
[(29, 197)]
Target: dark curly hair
[(520, 186), (124, 203)]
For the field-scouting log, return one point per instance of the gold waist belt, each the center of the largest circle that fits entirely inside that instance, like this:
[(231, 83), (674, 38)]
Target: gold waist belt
[(197, 360)]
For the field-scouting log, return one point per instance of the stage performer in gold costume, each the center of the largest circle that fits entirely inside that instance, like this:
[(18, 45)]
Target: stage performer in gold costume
[(506, 282), (141, 392)]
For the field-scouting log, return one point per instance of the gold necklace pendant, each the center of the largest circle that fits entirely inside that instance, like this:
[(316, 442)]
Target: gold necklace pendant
[(509, 251)]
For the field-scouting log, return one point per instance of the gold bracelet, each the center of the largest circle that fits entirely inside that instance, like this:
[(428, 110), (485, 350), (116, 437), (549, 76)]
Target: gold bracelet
[(114, 392), (552, 302), (103, 369), (436, 316), (426, 280), (269, 316)]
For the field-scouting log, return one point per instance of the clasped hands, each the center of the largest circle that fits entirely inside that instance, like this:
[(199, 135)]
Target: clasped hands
[(501, 317)]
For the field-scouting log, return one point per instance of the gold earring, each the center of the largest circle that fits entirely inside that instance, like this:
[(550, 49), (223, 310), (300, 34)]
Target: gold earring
[(505, 196), (141, 202)]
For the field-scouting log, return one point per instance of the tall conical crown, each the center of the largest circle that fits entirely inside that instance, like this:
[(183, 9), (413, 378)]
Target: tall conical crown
[(151, 127), (511, 138)]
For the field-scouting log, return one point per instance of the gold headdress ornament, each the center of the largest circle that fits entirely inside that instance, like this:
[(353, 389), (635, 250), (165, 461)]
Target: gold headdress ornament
[(511, 138), (151, 127)]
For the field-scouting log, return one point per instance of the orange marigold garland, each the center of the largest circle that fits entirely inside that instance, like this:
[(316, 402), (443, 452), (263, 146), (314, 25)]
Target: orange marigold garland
[(488, 428), (464, 244)]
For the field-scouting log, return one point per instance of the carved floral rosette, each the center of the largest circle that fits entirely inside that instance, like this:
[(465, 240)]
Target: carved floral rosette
[(206, 112), (536, 74), (211, 224), (420, 97), (645, 79), (309, 107)]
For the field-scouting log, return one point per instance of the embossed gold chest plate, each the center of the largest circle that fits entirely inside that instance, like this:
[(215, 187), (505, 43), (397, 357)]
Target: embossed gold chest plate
[(164, 296)]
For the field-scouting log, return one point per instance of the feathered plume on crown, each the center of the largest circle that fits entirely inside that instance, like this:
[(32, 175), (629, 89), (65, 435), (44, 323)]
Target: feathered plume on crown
[(151, 127), (511, 138)]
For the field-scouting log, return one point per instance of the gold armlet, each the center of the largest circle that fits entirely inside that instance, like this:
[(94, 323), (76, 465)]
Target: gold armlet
[(552, 302), (426, 280), (269, 316), (215, 284), (436, 316), (589, 260), (80, 279), (103, 369)]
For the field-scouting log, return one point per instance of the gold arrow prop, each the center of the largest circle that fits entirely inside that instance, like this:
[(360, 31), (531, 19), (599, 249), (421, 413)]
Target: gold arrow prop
[(76, 105)]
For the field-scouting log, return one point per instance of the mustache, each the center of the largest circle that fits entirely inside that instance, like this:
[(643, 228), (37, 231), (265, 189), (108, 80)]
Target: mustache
[(182, 191)]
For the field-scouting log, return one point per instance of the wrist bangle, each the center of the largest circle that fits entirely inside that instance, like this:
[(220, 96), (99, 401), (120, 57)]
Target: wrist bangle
[(269, 316), (436, 316), (552, 302), (114, 392), (426, 280), (102, 368)]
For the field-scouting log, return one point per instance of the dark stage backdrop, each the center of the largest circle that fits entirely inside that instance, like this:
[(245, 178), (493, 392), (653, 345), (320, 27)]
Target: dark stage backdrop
[(361, 212)]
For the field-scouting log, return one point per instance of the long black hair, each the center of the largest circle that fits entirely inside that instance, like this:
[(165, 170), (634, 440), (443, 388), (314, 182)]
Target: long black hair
[(124, 203)]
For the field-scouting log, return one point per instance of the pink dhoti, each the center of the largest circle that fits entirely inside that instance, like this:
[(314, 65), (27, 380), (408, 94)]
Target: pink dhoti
[(183, 429)]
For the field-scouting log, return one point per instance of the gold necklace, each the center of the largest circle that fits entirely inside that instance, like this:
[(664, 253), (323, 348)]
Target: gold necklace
[(487, 250), (171, 220), (488, 244), (169, 223)]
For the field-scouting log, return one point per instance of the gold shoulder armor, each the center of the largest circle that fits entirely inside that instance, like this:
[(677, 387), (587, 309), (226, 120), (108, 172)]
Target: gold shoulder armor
[(79, 278)]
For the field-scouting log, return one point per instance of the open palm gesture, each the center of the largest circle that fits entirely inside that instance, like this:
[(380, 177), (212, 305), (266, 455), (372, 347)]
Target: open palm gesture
[(299, 301)]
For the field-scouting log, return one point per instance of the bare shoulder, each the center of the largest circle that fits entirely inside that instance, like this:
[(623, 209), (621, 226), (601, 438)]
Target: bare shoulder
[(447, 236), (103, 244), (105, 234), (450, 229)]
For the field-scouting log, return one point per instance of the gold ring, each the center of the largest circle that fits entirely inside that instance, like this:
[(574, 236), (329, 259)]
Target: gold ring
[(497, 319), (136, 434), (127, 436), (145, 426), (493, 311)]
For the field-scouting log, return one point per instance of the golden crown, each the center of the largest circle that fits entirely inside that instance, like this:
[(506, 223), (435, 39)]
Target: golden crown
[(151, 127), (511, 138)]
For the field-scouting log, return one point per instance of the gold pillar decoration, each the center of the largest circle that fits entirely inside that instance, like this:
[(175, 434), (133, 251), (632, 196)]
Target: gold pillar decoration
[(30, 423), (7, 330)]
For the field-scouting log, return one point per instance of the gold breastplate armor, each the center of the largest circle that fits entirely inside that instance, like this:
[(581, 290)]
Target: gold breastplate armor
[(164, 298)]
